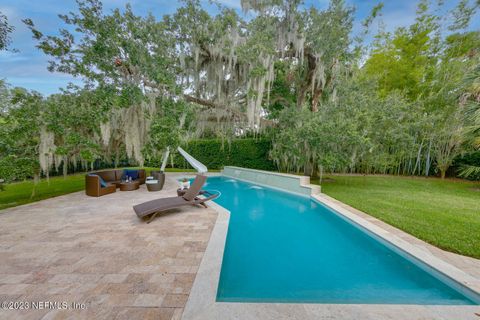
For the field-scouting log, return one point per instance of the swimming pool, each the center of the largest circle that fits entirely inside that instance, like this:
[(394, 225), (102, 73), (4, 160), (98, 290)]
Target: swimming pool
[(282, 247)]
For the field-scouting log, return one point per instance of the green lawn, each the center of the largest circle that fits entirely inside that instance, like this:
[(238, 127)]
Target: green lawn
[(19, 193), (443, 213)]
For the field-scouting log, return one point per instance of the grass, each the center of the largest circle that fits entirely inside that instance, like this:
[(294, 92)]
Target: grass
[(443, 213), (19, 193)]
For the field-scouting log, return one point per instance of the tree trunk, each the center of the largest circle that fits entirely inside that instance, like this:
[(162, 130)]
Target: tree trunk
[(442, 173), (36, 178), (171, 160), (314, 171), (301, 98), (417, 163), (316, 99), (306, 170), (65, 168), (427, 163)]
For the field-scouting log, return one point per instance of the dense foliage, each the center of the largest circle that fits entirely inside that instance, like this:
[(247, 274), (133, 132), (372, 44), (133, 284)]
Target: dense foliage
[(401, 111), (215, 154), (471, 101), (470, 162), (302, 78)]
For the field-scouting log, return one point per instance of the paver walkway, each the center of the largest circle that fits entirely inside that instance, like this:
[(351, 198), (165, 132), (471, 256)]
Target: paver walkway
[(95, 251)]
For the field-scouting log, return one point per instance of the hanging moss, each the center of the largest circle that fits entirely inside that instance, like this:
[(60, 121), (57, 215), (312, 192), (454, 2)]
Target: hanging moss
[(46, 149)]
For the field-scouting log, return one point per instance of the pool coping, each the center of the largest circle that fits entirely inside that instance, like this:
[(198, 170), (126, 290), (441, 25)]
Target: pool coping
[(202, 302)]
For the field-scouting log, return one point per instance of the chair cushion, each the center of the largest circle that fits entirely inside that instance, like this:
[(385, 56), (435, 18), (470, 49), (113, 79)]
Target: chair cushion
[(103, 184), (151, 181), (130, 173)]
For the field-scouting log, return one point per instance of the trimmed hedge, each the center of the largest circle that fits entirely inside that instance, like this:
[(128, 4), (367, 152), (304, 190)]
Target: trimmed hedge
[(248, 153)]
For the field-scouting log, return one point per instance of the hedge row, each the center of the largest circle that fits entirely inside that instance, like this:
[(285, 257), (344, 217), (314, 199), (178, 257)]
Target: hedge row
[(248, 153)]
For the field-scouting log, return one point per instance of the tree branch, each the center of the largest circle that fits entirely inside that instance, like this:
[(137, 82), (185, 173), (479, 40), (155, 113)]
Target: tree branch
[(212, 105)]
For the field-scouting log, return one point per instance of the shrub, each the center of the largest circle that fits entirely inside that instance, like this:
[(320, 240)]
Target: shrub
[(249, 153)]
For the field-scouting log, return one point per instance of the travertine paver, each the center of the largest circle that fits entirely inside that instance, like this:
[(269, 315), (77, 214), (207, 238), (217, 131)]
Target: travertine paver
[(96, 251)]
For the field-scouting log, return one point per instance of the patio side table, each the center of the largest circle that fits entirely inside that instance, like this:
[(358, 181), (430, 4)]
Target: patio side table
[(129, 186)]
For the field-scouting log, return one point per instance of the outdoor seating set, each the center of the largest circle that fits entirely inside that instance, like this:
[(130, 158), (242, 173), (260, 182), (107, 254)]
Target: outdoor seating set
[(104, 182)]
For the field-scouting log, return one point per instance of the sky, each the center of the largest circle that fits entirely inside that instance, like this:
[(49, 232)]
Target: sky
[(28, 67)]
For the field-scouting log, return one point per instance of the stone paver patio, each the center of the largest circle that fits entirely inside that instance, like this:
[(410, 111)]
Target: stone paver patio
[(95, 251)]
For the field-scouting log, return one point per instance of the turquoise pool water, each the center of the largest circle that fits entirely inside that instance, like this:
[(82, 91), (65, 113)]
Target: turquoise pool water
[(282, 247)]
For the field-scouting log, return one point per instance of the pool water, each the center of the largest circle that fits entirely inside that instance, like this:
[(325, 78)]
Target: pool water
[(282, 247)]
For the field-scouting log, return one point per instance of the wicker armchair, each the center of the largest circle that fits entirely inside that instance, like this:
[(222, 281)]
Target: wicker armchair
[(94, 189)]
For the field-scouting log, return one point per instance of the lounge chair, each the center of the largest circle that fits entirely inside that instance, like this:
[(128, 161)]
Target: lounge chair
[(189, 198)]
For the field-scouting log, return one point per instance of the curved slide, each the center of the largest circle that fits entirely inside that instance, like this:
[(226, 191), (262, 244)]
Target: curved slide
[(197, 165)]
